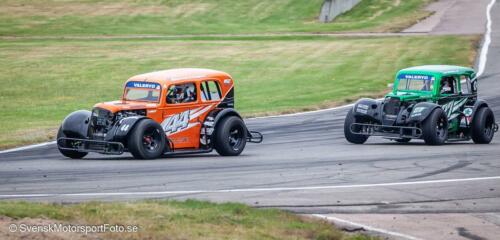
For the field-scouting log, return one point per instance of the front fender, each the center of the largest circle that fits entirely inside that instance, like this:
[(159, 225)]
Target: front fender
[(421, 111), (76, 124), (122, 128), (367, 108)]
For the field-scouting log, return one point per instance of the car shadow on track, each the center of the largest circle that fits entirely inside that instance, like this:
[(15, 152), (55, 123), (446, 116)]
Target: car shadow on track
[(130, 158), (417, 144), (163, 158)]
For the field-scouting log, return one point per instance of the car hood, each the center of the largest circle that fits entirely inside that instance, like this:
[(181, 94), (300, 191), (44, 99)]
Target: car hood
[(116, 106), (409, 96)]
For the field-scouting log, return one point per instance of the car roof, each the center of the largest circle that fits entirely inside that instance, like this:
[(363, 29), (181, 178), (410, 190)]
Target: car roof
[(179, 74), (437, 69)]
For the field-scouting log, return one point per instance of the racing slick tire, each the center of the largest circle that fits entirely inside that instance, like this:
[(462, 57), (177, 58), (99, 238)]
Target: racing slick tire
[(349, 136), (68, 153), (230, 136), (435, 127), (147, 140), (483, 126)]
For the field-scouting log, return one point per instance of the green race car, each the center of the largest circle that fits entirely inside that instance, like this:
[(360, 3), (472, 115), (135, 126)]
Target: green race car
[(436, 103)]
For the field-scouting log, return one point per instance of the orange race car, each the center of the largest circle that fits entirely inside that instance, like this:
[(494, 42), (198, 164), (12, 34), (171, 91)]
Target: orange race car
[(160, 113)]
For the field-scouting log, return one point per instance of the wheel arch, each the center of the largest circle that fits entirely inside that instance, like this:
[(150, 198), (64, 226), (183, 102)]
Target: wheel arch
[(76, 124), (422, 110), (367, 108), (225, 113), (477, 105), (124, 127)]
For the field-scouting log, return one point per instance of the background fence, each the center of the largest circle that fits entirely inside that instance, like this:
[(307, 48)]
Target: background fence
[(332, 8)]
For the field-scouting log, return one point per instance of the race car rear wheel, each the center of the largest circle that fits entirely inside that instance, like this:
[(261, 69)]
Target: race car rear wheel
[(435, 127), (68, 153), (147, 140), (483, 126), (349, 136), (230, 136)]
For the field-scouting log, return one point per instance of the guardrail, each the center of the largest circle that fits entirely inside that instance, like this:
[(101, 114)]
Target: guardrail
[(332, 8)]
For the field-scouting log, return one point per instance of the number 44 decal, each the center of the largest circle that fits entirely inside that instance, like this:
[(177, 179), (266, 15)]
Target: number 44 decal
[(176, 122)]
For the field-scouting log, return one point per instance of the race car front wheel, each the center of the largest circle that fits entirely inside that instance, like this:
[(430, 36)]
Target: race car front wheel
[(230, 136), (147, 140), (435, 127), (483, 126), (68, 153), (349, 136)]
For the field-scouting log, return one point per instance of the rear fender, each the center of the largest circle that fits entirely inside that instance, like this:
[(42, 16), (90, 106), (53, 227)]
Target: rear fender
[(421, 111), (76, 124), (477, 105), (223, 114), (367, 108), (211, 123)]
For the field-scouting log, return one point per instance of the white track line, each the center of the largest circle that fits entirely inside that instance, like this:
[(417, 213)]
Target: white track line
[(306, 188), (27, 147), (366, 227), (487, 40)]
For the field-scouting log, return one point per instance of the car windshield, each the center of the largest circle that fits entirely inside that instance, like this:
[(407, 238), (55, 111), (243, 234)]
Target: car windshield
[(142, 91), (415, 82)]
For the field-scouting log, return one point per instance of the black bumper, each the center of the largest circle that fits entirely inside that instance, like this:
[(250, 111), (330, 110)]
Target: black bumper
[(88, 145), (385, 130)]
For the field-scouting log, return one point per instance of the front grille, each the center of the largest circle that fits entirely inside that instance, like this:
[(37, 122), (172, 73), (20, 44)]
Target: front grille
[(101, 121), (100, 117), (392, 106)]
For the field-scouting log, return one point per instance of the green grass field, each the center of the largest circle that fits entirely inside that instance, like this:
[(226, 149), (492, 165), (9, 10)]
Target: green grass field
[(125, 17), (43, 81), (190, 219)]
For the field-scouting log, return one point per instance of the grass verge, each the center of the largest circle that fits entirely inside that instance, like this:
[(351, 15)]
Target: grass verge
[(125, 17), (189, 219), (43, 81)]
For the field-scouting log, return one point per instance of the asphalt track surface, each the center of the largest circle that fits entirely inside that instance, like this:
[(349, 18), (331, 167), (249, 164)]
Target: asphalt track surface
[(304, 165)]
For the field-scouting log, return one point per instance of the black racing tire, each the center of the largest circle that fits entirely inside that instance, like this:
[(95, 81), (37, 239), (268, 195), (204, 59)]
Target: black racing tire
[(483, 126), (230, 136), (147, 140), (435, 127), (403, 140), (68, 153), (349, 136)]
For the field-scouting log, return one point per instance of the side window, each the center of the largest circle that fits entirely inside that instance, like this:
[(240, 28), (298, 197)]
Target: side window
[(210, 91), (455, 85), (448, 85), (181, 93), (465, 85)]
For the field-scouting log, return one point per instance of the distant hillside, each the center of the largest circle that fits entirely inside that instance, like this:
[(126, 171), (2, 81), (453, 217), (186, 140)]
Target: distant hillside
[(95, 17)]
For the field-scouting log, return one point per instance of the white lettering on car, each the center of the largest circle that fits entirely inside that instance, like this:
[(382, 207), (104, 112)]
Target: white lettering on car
[(180, 122), (452, 108), (176, 122)]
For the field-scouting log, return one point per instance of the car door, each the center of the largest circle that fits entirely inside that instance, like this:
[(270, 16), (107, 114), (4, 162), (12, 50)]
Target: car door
[(180, 122), (211, 97), (452, 101)]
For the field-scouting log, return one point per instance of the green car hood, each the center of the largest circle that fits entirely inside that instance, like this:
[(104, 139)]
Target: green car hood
[(410, 96)]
